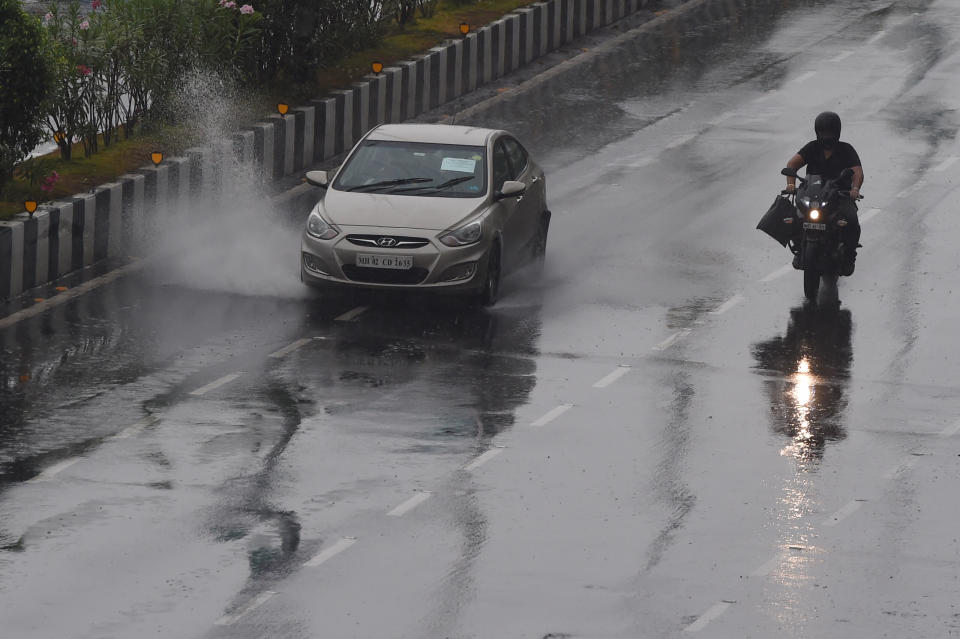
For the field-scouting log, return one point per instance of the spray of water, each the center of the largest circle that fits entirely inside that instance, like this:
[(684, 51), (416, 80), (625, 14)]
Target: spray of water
[(230, 238)]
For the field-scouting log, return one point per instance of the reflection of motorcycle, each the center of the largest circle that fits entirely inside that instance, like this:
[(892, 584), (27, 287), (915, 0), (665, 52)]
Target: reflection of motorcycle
[(810, 366), (811, 223)]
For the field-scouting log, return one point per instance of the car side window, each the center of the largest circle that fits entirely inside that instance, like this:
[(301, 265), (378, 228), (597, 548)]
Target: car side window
[(517, 155), (501, 166)]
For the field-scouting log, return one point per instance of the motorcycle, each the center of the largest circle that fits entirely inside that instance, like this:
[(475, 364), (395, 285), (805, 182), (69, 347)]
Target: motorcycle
[(808, 221)]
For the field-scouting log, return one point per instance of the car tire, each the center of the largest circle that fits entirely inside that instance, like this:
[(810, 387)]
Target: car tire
[(492, 276), (539, 250)]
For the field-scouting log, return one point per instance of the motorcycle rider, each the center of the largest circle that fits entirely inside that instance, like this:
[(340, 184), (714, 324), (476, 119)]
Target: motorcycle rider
[(827, 156)]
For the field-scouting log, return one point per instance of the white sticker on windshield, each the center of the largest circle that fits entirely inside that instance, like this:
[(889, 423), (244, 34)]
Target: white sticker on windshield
[(460, 165)]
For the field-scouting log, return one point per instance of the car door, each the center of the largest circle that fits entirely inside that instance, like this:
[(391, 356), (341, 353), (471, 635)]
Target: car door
[(509, 208), (532, 202)]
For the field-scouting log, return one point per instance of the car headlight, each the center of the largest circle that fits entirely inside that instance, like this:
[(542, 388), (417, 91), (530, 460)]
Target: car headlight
[(320, 228), (469, 233)]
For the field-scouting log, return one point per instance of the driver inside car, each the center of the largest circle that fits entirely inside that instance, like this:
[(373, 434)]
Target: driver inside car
[(827, 157)]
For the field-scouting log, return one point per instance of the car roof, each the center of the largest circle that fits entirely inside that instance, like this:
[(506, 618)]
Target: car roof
[(433, 133)]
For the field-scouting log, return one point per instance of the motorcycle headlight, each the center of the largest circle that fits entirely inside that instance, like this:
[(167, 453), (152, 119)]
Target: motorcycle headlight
[(814, 214), (805, 201), (469, 233), (319, 228)]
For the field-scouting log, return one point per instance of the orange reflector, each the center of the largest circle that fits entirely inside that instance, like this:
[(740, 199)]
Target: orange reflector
[(38, 299), (283, 108), (61, 288)]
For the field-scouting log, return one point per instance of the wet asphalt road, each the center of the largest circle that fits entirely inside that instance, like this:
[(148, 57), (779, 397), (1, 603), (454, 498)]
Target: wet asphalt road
[(658, 439)]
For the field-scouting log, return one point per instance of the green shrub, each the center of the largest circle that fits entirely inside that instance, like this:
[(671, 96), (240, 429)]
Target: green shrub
[(25, 85)]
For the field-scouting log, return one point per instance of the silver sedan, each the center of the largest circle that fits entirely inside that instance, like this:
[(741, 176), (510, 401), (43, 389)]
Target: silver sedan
[(427, 206)]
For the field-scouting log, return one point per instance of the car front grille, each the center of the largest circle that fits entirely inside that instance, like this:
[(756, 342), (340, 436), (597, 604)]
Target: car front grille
[(388, 241), (384, 275)]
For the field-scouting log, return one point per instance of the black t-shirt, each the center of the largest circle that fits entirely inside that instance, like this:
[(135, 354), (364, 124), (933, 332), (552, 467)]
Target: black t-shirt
[(844, 156)]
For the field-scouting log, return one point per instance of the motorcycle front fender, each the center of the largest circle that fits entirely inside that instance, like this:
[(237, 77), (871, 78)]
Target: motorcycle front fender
[(810, 251)]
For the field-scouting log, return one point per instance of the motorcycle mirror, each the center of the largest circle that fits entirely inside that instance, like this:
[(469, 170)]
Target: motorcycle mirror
[(788, 172)]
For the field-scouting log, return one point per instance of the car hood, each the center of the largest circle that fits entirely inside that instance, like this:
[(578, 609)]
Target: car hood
[(398, 211)]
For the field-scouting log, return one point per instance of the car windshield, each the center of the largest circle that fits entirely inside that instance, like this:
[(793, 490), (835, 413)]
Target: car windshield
[(415, 168)]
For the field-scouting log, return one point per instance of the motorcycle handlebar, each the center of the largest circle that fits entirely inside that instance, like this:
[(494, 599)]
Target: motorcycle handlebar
[(847, 194), (843, 193)]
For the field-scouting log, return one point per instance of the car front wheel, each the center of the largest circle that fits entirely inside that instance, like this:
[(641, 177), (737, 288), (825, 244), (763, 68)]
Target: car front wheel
[(493, 274), (539, 249)]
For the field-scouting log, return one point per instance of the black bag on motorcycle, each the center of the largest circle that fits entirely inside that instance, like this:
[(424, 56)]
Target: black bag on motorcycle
[(772, 223)]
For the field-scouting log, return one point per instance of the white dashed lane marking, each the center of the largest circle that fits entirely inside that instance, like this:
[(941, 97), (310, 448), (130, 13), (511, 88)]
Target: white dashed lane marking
[(842, 56), (352, 315), (946, 164), (720, 119), (552, 415), (55, 470), (670, 341), (223, 381), (136, 429), (329, 553), (768, 567), (843, 513), (483, 459), (899, 469), (726, 306), (704, 620), (286, 350), (950, 431), (681, 141), (806, 76), (868, 215), (410, 504), (780, 272), (254, 603), (620, 371)]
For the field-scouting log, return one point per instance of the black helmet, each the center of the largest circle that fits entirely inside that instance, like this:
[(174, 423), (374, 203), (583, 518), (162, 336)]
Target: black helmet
[(827, 126)]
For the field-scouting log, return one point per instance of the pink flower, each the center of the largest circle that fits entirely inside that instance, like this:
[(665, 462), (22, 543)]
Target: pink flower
[(84, 25), (47, 18), (96, 4), (230, 5), (246, 9), (83, 69), (49, 182)]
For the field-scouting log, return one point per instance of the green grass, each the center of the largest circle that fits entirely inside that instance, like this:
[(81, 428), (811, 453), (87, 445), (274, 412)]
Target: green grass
[(82, 174)]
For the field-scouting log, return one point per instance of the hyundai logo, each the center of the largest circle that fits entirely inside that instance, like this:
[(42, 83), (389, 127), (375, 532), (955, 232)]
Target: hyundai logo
[(386, 242)]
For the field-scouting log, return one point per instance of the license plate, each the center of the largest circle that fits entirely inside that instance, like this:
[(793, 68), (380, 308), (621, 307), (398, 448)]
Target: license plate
[(816, 226), (398, 262)]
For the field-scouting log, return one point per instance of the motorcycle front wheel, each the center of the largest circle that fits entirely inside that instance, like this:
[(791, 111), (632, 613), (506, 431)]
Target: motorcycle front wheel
[(811, 284)]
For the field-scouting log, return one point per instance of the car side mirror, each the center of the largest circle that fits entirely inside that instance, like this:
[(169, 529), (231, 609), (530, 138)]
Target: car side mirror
[(318, 178), (788, 172), (511, 188)]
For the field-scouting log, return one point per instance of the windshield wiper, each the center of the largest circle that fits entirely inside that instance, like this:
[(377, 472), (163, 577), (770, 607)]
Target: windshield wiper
[(438, 187), (386, 183)]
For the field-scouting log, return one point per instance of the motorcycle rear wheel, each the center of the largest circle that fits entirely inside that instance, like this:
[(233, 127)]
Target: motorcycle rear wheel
[(811, 284)]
